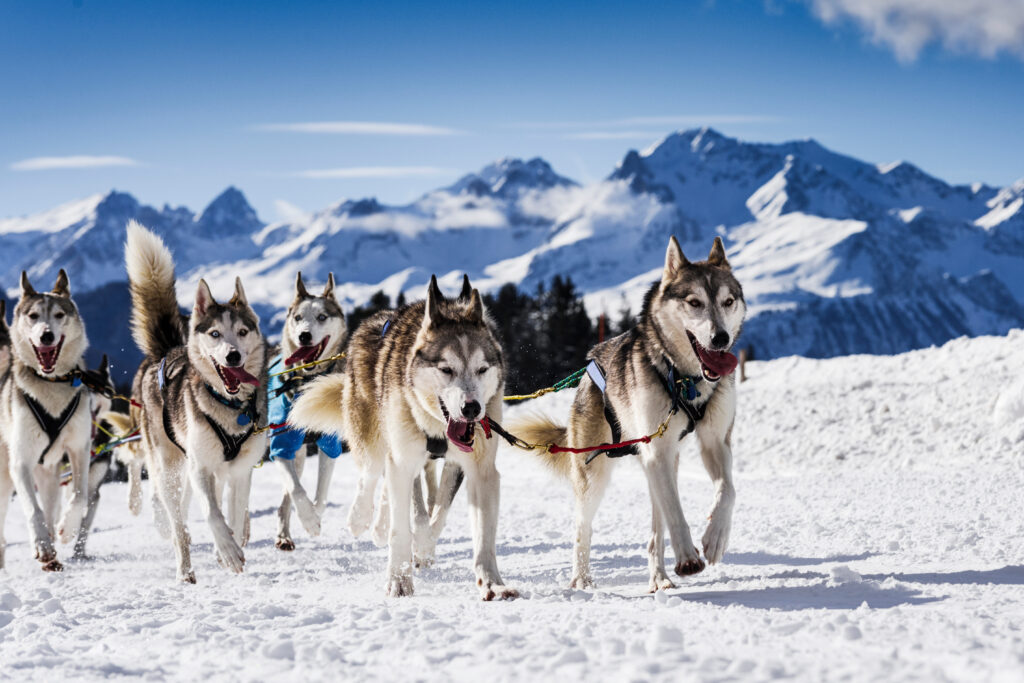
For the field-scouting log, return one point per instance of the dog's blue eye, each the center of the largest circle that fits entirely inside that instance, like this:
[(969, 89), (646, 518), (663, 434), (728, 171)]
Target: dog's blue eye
[(215, 334), (321, 317), (298, 318), (447, 371)]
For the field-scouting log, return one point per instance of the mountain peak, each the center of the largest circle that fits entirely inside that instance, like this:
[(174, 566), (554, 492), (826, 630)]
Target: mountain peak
[(229, 214), (508, 176)]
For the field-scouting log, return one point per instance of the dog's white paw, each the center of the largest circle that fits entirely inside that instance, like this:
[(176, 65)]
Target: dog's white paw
[(360, 517), (690, 563), (399, 586), (186, 576), (309, 518), (716, 538), (230, 556), (660, 582), (381, 531), (495, 591), (582, 581)]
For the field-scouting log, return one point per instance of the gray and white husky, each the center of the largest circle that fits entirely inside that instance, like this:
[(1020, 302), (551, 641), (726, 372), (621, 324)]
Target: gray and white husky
[(417, 382), (673, 365), (314, 329), (201, 389), (44, 413)]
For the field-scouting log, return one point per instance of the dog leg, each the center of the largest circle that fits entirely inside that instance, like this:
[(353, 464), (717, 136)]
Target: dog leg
[(451, 479), (398, 478), (48, 490), (325, 472), (430, 481), (239, 488), (6, 489), (422, 543), (659, 462), (97, 473), (229, 552), (717, 456), (483, 484), (171, 485), (135, 487), (38, 532), (656, 551), (382, 524), (589, 484), (360, 515), (71, 520), (291, 471)]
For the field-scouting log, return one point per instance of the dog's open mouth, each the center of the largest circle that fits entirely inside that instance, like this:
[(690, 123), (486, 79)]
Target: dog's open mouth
[(714, 364), (308, 354), (233, 378), (459, 432), (48, 355)]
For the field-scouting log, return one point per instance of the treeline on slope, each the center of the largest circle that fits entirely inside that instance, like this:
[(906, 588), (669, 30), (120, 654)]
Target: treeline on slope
[(546, 335)]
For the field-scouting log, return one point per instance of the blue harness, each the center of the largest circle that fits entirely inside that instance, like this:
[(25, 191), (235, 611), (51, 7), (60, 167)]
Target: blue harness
[(285, 443)]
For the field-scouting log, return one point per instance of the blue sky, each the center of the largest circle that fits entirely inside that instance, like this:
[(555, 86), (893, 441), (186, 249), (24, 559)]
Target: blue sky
[(173, 101)]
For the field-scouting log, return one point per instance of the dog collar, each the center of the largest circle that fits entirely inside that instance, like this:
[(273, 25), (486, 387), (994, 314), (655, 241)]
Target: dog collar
[(247, 409)]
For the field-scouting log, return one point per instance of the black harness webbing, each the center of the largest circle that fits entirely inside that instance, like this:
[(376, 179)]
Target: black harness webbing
[(50, 424), (232, 445), (437, 446)]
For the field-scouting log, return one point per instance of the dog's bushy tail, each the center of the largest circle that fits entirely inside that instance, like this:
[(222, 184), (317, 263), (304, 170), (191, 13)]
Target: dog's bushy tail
[(539, 428), (318, 407), (156, 320)]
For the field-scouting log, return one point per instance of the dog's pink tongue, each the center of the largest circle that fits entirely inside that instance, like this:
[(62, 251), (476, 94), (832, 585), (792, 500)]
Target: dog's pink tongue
[(47, 356), (303, 354), (240, 375), (459, 433), (719, 362)]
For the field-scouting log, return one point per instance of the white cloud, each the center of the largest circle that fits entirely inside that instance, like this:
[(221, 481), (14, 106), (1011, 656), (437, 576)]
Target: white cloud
[(50, 163), (360, 128), (983, 27), (374, 172), (289, 213)]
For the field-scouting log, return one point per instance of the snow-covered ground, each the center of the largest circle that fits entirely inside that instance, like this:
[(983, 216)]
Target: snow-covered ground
[(878, 535)]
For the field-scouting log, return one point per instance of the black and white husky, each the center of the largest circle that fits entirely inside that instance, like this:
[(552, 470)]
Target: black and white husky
[(201, 390), (675, 365), (44, 413)]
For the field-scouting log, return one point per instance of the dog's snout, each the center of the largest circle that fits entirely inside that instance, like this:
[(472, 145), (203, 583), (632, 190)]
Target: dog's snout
[(46, 338), (305, 338), (471, 410), (234, 358), (720, 340)]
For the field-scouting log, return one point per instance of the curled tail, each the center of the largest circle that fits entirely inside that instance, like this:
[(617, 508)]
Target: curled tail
[(156, 320), (318, 407), (539, 428)]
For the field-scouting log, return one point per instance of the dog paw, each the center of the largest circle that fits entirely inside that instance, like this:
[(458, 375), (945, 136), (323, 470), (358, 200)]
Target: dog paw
[(690, 566), (230, 556), (45, 552), (399, 586), (660, 582), (582, 582), (716, 539), (424, 562), (187, 577), (286, 544), (495, 591), (381, 530), (52, 566), (309, 518)]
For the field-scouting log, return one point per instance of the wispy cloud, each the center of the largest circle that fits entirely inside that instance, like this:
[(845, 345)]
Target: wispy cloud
[(654, 121), (359, 128), (374, 172), (51, 163), (982, 27), (290, 213)]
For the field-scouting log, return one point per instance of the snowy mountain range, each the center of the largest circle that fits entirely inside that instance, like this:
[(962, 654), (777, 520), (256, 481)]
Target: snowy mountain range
[(836, 255)]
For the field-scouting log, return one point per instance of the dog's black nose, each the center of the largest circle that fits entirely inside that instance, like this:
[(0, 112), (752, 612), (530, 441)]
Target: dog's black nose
[(234, 358), (46, 338), (305, 338), (471, 410), (720, 340)]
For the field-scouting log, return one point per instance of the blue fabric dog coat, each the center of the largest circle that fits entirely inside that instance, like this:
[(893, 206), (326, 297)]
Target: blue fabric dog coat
[(286, 442)]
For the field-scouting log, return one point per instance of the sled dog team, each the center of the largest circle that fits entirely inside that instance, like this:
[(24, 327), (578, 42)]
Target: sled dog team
[(411, 386)]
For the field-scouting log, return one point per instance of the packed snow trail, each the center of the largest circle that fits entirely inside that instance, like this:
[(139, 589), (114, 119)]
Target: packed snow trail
[(878, 535)]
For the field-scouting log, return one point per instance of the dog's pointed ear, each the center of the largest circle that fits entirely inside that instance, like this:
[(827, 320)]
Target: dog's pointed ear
[(238, 300), (434, 299), (467, 289), (329, 287), (476, 307), (62, 286), (3, 312), (204, 298), (717, 255), (300, 287), (26, 287), (105, 368), (675, 262)]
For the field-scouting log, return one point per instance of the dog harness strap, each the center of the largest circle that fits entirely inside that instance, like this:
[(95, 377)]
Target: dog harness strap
[(597, 376), (436, 446), (232, 445), (51, 425)]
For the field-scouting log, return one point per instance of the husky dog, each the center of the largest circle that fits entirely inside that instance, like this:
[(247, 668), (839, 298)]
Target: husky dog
[(6, 485), (673, 365), (314, 329), (200, 387), (416, 383), (132, 455), (44, 413)]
